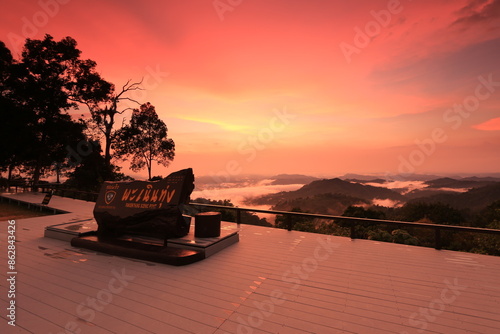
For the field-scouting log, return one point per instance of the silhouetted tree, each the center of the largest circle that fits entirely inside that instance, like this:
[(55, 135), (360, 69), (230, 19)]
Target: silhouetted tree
[(365, 230), (145, 140), (42, 86), (360, 212), (14, 134), (488, 215), (298, 223), (93, 171), (104, 108), (488, 244), (437, 213), (404, 237)]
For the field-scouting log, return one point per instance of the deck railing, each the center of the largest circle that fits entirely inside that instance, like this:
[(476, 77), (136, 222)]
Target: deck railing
[(352, 221)]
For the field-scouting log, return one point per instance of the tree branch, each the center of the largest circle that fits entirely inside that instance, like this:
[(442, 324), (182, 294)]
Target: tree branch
[(129, 87)]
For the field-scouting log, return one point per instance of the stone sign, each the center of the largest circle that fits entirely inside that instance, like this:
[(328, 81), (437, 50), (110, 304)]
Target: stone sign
[(146, 208)]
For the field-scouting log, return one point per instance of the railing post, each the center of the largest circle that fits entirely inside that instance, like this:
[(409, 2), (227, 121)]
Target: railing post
[(437, 238), (289, 223), (238, 217), (353, 230)]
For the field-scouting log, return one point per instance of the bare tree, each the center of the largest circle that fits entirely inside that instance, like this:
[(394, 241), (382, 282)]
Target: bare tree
[(105, 109)]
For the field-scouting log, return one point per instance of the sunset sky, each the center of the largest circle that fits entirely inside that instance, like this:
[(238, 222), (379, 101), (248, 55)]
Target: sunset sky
[(320, 87)]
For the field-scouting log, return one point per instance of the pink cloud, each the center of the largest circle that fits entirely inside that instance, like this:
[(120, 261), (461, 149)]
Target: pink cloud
[(490, 125), (227, 76)]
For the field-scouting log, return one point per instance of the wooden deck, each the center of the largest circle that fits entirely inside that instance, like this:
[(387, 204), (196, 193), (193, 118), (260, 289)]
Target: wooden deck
[(272, 281)]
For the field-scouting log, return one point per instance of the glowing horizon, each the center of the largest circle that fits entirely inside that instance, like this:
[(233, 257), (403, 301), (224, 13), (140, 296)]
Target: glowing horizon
[(318, 87)]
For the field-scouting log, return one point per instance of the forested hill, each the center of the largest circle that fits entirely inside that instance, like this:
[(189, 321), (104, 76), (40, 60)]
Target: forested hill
[(291, 179), (332, 186), (338, 186), (474, 199), (447, 182), (475, 193)]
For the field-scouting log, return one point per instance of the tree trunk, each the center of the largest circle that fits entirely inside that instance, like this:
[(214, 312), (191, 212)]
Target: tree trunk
[(58, 172), (36, 176), (9, 176), (107, 152), (107, 149), (109, 129)]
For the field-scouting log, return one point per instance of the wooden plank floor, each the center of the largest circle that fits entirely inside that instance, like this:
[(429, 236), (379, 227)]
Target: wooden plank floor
[(272, 281)]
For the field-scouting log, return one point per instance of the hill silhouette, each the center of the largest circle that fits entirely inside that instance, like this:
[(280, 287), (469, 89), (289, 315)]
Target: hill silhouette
[(475, 199), (447, 182), (330, 195), (331, 186), (328, 204), (282, 179)]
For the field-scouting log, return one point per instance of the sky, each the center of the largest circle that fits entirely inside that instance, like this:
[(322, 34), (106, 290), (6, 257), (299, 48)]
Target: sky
[(318, 87)]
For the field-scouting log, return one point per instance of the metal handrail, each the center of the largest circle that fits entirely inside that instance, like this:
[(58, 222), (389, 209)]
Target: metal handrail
[(436, 227)]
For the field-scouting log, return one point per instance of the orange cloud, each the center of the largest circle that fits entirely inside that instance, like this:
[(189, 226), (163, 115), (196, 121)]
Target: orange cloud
[(491, 125), (217, 83)]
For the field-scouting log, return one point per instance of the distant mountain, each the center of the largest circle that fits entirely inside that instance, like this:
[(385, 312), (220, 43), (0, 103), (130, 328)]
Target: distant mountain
[(338, 186), (447, 182), (481, 179), (291, 179), (381, 181), (327, 204), (333, 195), (427, 192), (475, 199), (390, 177), (332, 186), (448, 186), (475, 175), (358, 177)]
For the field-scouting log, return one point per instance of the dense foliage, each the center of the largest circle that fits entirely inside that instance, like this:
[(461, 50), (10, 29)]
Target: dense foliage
[(41, 133), (429, 213), (145, 140)]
